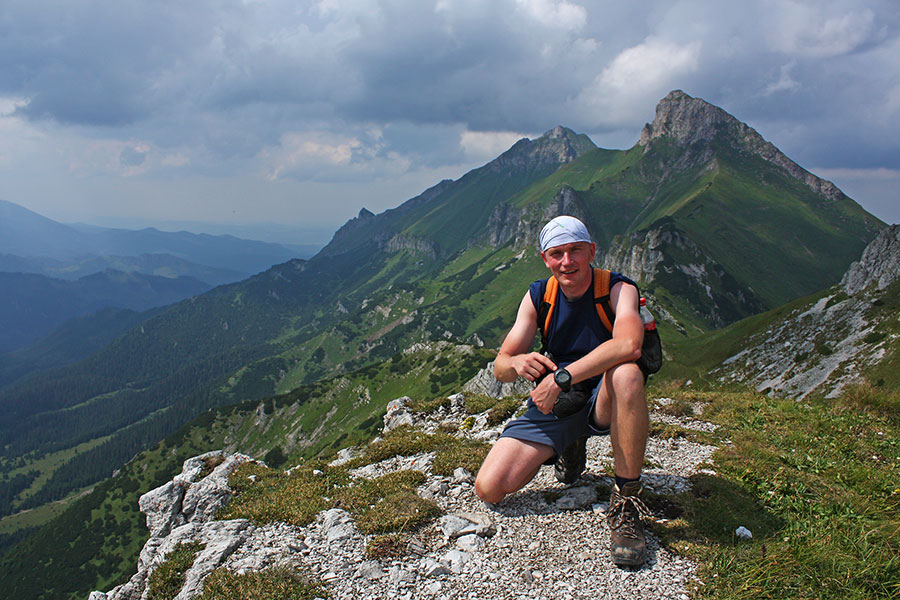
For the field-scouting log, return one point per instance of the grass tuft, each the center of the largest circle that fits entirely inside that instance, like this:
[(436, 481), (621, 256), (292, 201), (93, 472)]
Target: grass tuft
[(266, 495), (388, 503), (678, 407), (450, 451), (428, 406), (210, 463), (168, 578), (391, 545), (277, 583)]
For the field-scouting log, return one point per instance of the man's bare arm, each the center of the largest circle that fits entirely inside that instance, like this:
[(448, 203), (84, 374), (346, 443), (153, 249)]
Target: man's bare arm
[(514, 358), (627, 336)]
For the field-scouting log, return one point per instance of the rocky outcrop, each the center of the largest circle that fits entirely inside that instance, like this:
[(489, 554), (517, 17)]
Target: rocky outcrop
[(485, 383), (641, 253), (693, 123), (879, 264), (828, 344), (664, 256), (183, 510), (473, 550), (522, 226)]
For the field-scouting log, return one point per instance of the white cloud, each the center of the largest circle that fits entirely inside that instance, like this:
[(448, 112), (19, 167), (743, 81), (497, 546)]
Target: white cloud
[(817, 30), (310, 93), (329, 156), (785, 82), (565, 15), (483, 146), (636, 78), (644, 66)]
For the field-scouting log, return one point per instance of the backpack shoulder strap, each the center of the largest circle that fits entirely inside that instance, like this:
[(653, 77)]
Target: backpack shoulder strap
[(601, 298), (545, 311)]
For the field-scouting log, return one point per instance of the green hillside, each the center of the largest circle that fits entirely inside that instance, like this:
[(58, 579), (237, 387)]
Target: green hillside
[(95, 543), (733, 234)]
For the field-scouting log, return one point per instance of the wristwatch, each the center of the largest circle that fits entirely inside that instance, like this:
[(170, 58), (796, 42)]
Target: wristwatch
[(563, 379)]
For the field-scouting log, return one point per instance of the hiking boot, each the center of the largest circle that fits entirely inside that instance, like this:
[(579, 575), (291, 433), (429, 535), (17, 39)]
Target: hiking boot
[(571, 463), (629, 548)]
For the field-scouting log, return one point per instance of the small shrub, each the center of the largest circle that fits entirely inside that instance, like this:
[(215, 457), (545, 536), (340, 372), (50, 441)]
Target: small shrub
[(478, 403), (278, 583), (275, 457), (503, 410), (276, 496), (391, 545), (168, 578), (874, 337), (210, 463), (836, 299), (429, 406), (824, 349)]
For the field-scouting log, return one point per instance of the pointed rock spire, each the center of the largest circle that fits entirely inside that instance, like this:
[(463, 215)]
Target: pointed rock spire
[(694, 122)]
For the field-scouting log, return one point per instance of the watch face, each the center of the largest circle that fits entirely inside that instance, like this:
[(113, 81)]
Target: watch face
[(563, 378)]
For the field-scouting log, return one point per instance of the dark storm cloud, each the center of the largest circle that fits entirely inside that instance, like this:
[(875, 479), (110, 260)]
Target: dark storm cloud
[(320, 90)]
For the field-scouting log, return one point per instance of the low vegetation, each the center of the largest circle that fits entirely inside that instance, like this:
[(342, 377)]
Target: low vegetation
[(278, 583), (816, 482), (168, 578)]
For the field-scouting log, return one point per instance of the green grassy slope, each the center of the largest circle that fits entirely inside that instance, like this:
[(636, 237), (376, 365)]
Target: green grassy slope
[(94, 543)]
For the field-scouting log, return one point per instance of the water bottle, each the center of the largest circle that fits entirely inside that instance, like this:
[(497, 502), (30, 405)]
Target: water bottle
[(647, 316)]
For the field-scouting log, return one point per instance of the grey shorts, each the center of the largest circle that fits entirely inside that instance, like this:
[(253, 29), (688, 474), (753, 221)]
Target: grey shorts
[(550, 430)]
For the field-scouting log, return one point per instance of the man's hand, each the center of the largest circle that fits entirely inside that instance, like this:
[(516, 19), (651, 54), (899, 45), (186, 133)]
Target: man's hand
[(532, 365), (545, 395)]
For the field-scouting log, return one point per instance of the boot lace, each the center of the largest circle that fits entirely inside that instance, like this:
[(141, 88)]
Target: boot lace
[(625, 513)]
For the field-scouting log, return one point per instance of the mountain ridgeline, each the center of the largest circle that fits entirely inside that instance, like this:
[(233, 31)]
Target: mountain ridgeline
[(713, 222)]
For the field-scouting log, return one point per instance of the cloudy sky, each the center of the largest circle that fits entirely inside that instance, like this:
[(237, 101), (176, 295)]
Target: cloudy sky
[(299, 113)]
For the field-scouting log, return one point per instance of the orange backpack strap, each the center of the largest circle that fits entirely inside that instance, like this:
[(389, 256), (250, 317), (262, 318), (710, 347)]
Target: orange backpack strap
[(601, 298), (545, 311)]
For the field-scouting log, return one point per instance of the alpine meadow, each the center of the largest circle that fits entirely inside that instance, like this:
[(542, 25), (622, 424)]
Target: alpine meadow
[(774, 293)]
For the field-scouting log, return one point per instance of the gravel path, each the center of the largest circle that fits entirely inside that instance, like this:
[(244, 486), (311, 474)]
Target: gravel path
[(546, 541)]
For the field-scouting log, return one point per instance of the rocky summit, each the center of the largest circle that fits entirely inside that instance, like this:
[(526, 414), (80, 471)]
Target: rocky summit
[(547, 541)]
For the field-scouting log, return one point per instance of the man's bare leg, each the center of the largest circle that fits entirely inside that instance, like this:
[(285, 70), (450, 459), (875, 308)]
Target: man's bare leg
[(622, 400), (622, 405), (509, 466)]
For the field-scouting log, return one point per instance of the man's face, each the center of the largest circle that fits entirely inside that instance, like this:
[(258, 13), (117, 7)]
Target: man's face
[(570, 263)]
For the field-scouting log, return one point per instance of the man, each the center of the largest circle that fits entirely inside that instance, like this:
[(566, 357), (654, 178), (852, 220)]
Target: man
[(604, 387)]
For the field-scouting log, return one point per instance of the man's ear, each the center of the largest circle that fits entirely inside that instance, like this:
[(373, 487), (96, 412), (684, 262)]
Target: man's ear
[(593, 251), (544, 258)]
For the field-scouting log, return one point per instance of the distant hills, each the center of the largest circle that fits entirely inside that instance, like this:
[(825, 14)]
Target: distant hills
[(714, 223), (32, 306), (32, 243)]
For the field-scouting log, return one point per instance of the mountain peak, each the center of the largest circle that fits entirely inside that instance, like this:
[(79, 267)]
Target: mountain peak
[(557, 146), (688, 120), (693, 123)]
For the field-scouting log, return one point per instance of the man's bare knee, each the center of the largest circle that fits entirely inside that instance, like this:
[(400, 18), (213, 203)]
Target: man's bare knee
[(627, 381), (489, 492), (509, 465)]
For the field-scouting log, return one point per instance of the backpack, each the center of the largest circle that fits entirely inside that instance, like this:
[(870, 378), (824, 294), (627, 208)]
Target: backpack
[(651, 350)]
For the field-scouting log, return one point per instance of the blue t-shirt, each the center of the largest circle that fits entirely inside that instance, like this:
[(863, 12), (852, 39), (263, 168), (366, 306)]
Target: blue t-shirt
[(575, 328)]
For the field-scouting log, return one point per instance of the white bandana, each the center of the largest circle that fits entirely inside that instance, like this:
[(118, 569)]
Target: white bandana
[(563, 230)]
